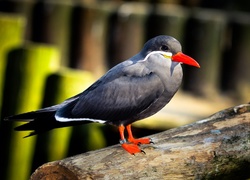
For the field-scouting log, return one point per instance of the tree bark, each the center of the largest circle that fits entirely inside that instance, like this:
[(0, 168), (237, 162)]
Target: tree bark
[(217, 147)]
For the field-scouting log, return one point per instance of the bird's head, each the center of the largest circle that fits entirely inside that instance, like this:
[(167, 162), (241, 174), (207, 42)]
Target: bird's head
[(168, 47)]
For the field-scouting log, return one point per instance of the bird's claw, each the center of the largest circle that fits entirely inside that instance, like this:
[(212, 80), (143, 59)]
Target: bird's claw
[(143, 152), (132, 148), (140, 141), (150, 142)]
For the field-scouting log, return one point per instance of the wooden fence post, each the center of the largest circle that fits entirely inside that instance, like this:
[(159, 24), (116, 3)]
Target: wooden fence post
[(21, 8), (127, 32), (204, 43), (26, 72), (52, 24), (61, 85), (11, 35), (169, 20), (90, 38), (236, 63)]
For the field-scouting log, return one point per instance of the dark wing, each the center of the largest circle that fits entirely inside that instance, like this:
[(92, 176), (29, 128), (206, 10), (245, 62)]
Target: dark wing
[(45, 113), (129, 92)]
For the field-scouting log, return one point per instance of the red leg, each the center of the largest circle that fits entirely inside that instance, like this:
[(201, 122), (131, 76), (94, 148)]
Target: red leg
[(121, 130), (131, 148), (136, 141)]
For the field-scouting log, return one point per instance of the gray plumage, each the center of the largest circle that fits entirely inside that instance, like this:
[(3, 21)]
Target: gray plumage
[(132, 90)]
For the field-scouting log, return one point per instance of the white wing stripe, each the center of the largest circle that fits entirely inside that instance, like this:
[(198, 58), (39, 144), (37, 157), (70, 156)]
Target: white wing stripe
[(64, 119)]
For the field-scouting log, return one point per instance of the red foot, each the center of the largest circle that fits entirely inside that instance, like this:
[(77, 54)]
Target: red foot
[(132, 148), (140, 141), (132, 145)]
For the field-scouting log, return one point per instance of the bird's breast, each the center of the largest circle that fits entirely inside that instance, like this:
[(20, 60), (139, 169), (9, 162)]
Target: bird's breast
[(171, 83)]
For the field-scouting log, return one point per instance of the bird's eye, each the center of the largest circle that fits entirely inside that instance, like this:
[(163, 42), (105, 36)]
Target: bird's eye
[(164, 48)]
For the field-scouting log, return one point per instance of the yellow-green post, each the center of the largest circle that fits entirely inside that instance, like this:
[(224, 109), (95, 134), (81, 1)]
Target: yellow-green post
[(11, 35), (26, 72), (54, 145)]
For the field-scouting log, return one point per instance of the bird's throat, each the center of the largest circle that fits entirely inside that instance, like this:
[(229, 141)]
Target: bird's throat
[(172, 67)]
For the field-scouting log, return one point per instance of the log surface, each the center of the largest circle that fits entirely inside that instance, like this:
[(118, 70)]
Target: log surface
[(217, 147)]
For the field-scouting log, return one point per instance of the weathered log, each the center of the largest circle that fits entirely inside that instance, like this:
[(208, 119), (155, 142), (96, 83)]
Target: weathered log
[(217, 147)]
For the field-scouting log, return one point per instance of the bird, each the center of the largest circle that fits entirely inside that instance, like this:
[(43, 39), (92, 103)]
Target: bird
[(130, 91)]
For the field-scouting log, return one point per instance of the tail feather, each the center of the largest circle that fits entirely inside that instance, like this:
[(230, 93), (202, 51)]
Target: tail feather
[(40, 126), (40, 121), (30, 116)]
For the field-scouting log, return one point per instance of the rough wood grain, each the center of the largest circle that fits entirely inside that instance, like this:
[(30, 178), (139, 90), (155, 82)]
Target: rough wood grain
[(214, 148)]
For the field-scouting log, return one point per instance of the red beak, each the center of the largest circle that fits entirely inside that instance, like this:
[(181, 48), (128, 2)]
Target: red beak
[(183, 58)]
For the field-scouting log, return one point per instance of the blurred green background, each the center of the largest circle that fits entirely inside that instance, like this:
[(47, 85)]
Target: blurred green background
[(51, 50)]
